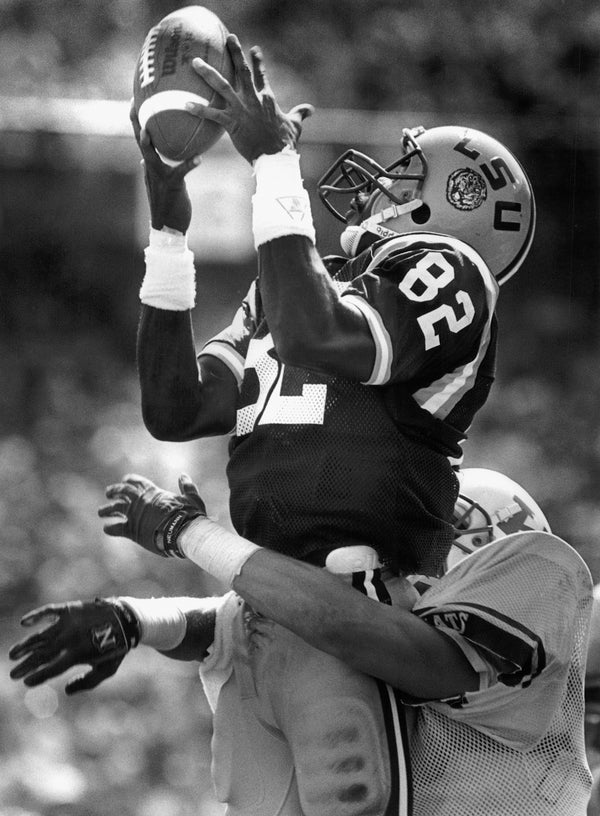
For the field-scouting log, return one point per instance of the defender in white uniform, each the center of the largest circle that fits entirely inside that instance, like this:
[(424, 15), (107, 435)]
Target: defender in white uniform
[(301, 732)]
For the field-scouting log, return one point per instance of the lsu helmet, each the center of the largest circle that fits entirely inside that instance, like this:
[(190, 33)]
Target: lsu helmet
[(449, 180), (490, 505)]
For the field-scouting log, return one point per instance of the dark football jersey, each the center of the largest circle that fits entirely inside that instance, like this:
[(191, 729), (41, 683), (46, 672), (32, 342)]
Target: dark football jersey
[(320, 461)]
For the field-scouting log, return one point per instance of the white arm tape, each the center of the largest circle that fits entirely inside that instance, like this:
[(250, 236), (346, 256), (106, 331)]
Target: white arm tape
[(213, 548), (162, 620), (170, 279), (281, 205)]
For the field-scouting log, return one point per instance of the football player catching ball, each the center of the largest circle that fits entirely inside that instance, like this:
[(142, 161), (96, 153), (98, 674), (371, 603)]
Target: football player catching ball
[(349, 383)]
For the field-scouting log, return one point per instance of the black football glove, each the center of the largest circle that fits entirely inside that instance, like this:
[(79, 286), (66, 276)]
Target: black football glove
[(150, 516), (98, 633)]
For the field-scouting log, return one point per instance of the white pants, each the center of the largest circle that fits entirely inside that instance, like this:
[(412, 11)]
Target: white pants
[(299, 733)]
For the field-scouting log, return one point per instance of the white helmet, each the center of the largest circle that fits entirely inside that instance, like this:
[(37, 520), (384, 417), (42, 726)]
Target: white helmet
[(490, 506), (448, 180)]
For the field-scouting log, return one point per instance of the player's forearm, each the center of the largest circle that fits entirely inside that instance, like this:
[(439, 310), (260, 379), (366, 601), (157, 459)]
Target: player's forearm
[(168, 372), (180, 628), (387, 642), (177, 405), (198, 638), (179, 401), (311, 325)]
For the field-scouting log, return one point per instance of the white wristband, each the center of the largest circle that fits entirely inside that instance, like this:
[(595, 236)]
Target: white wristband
[(213, 548), (162, 621), (170, 279), (281, 205)]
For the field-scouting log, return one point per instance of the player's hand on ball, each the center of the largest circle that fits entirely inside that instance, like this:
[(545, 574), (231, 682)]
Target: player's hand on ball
[(98, 633), (251, 115), (150, 516), (169, 201)]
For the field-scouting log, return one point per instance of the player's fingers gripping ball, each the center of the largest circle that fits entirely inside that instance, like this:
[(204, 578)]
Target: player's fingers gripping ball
[(164, 81), (148, 515), (251, 115)]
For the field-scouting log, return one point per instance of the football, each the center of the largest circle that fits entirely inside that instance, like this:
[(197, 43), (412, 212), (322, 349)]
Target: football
[(165, 80)]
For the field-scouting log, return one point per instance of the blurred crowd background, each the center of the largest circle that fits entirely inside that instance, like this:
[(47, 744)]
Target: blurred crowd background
[(73, 224)]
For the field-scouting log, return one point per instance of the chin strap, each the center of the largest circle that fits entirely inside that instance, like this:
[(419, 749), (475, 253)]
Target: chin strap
[(350, 237)]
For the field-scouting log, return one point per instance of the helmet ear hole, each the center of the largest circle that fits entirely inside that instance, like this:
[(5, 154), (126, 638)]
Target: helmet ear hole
[(421, 215)]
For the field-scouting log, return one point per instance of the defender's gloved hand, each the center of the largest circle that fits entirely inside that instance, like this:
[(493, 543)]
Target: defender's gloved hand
[(150, 516), (98, 633)]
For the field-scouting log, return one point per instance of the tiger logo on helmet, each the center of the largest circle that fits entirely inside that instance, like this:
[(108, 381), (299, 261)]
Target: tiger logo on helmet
[(466, 189)]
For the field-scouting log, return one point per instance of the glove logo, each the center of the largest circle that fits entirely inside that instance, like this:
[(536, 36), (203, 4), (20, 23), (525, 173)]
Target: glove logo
[(294, 206), (103, 638)]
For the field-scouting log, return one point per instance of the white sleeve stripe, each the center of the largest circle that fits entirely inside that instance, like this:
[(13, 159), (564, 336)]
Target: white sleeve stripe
[(382, 367), (228, 355), (441, 396)]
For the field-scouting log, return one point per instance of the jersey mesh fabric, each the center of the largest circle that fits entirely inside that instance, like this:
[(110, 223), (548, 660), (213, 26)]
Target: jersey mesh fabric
[(299, 488), (515, 748)]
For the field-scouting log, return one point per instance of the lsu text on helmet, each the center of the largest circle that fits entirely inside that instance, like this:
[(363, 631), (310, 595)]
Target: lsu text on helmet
[(490, 505), (448, 180)]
